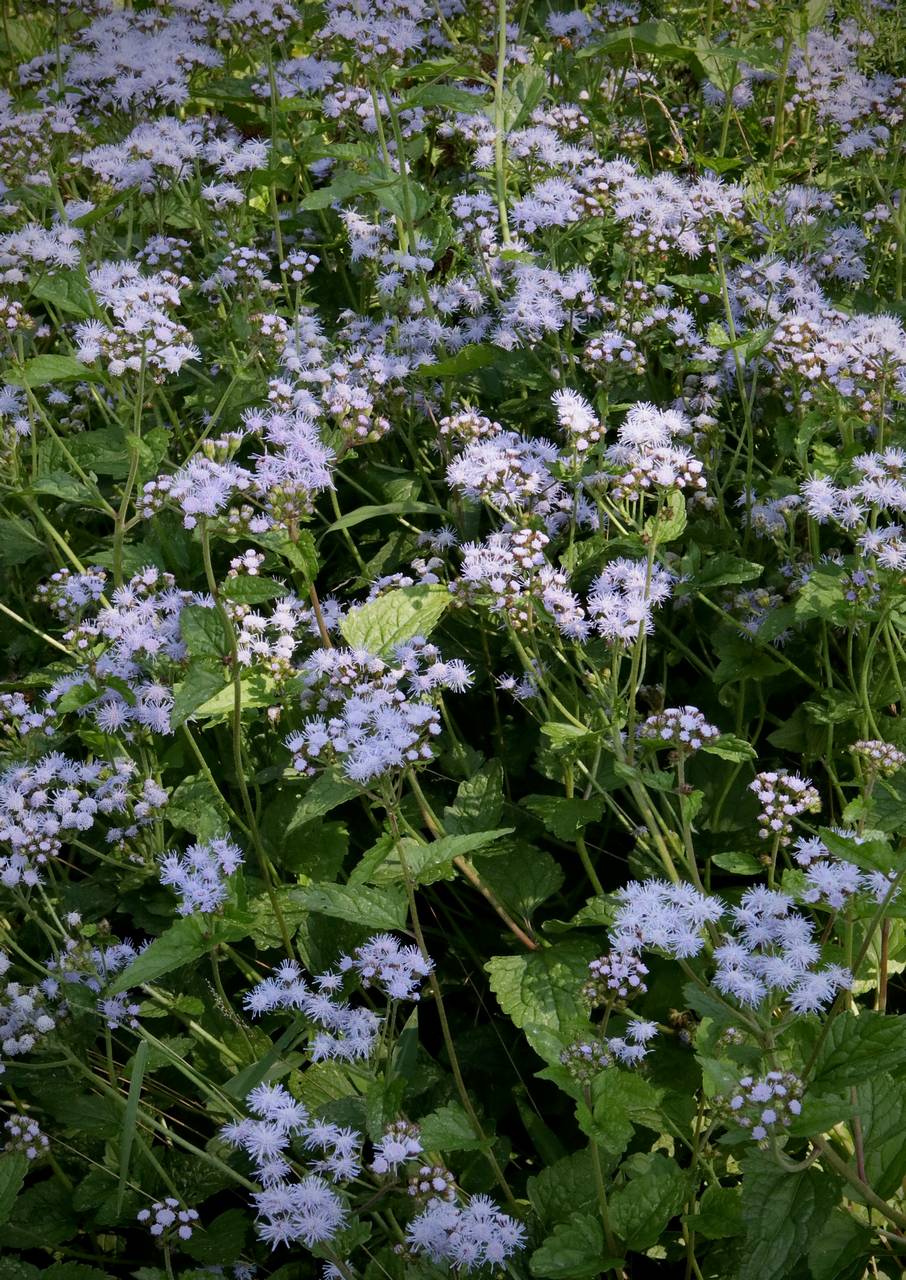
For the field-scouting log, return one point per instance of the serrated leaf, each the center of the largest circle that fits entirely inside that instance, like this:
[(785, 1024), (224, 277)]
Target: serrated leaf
[(327, 792), (42, 370), (728, 747), (467, 360), (59, 484), (565, 818), (448, 1129), (542, 988), (740, 864), (65, 291), (360, 904), (842, 1249), (881, 1107), (257, 689), (394, 618), (784, 1214), (202, 681), (248, 588), (13, 1167), (620, 1101), (573, 1251), (202, 632), (18, 543), (42, 1216), (719, 1213), (856, 1048), (478, 803), (869, 854), (407, 507), (187, 940), (221, 1242), (198, 807), (563, 1188), (641, 1210), (522, 876)]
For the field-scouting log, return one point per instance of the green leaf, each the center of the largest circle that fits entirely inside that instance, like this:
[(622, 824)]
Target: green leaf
[(66, 292), (73, 1271), (187, 940), (620, 1101), (103, 450), (42, 1216), (257, 690), (522, 876), (719, 1213), (784, 1213), (841, 1250), (563, 1188), (740, 864), (724, 570), (881, 1106), (202, 681), (542, 989), (18, 543), (13, 1168), (41, 370), (403, 508), (443, 95), (473, 356), (479, 801), (248, 588), (371, 908), (428, 863), (60, 484), (328, 790), (573, 1251), (221, 1242), (198, 807), (202, 631), (565, 818), (640, 1211), (727, 747), (857, 1048), (869, 854), (448, 1129), (130, 1116), (395, 617)]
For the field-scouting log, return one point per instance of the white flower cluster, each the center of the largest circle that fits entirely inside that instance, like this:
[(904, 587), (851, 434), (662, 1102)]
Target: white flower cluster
[(166, 1220)]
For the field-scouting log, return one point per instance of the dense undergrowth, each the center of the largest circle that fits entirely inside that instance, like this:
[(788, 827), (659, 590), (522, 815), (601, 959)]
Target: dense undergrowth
[(452, 465)]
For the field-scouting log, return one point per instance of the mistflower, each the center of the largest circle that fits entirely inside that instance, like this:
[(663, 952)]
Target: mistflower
[(200, 874), (467, 1238), (577, 419), (668, 917), (347, 1033), (42, 803), (623, 598), (432, 1182), (770, 953), (373, 716), (765, 1105), (682, 728), (585, 1059), (23, 1134), (167, 1221), (400, 1143), (879, 757), (397, 970), (782, 796), (619, 975)]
